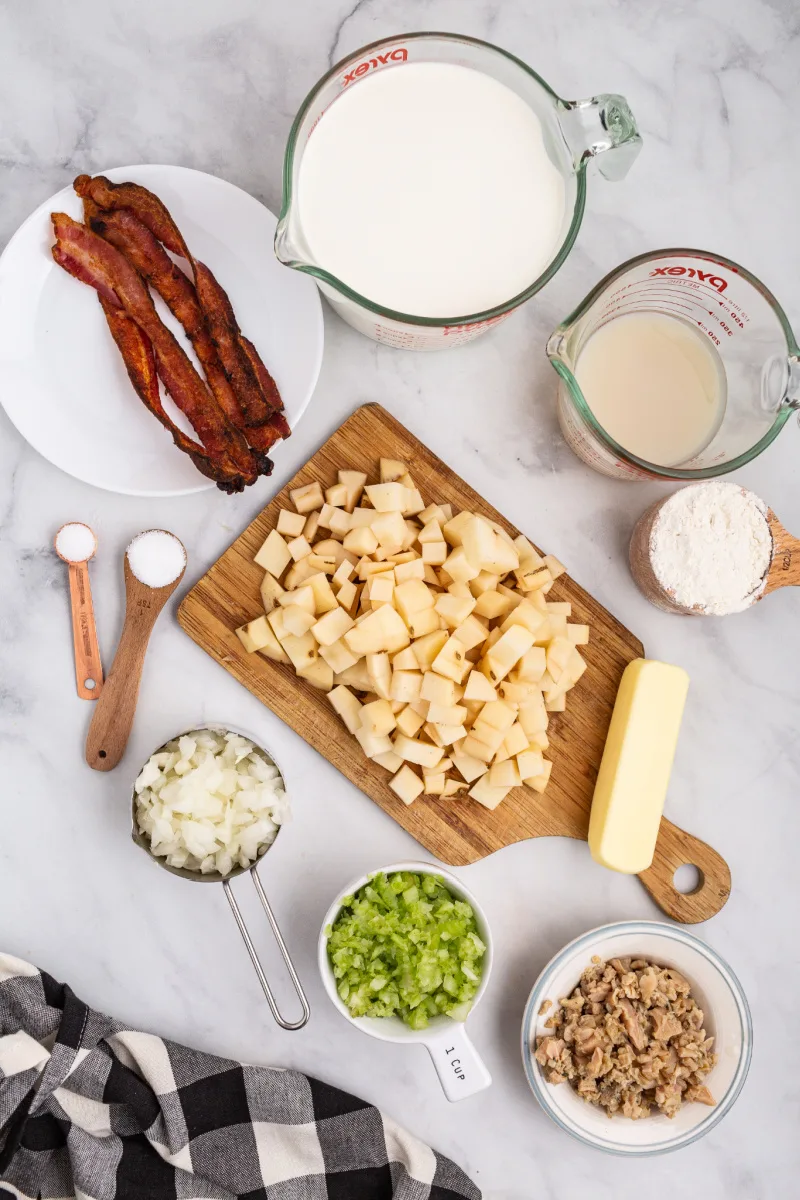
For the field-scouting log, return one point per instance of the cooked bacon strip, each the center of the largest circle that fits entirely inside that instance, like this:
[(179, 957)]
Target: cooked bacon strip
[(226, 335), (268, 384), (141, 247), (143, 203), (96, 259), (140, 362)]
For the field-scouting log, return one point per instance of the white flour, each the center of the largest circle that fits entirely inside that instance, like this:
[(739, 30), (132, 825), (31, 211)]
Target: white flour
[(710, 547)]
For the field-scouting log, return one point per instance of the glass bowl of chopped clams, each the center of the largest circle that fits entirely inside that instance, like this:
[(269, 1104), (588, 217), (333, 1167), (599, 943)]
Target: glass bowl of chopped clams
[(642, 1023)]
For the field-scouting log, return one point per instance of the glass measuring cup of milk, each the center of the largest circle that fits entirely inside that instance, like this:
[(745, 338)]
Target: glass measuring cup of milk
[(433, 183), (680, 364)]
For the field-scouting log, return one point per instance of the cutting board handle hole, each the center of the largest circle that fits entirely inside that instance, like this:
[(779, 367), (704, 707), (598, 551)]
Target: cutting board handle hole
[(688, 879)]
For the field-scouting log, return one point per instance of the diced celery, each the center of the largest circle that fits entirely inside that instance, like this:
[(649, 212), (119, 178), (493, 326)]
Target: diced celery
[(404, 946)]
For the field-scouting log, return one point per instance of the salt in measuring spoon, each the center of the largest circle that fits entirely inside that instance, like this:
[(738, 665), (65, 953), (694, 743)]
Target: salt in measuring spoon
[(75, 544), (154, 565)]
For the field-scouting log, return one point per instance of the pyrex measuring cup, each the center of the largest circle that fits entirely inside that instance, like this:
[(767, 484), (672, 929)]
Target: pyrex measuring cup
[(575, 133), (748, 329)]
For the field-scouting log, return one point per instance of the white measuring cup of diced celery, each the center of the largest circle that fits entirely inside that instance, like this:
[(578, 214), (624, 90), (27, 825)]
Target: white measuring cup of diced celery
[(461, 1071), (680, 364)]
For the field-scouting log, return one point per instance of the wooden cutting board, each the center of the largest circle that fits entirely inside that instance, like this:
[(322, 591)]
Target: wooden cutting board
[(456, 830)]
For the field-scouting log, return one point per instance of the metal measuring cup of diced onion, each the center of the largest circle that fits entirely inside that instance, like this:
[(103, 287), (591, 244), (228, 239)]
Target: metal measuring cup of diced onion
[(247, 859)]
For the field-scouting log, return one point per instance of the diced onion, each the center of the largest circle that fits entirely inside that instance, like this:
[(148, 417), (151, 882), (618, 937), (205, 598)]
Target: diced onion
[(405, 946), (210, 801)]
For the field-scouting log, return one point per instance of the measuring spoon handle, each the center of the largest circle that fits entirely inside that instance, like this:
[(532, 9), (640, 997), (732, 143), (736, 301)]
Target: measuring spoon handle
[(88, 667), (114, 712)]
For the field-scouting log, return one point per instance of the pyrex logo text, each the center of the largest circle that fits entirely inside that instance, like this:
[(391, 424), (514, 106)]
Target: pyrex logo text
[(380, 60), (704, 276)]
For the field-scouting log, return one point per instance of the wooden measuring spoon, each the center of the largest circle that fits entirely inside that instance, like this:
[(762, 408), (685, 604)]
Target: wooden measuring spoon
[(783, 569), (113, 717), (75, 544)]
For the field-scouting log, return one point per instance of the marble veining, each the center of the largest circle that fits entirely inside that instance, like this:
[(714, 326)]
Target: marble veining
[(214, 85)]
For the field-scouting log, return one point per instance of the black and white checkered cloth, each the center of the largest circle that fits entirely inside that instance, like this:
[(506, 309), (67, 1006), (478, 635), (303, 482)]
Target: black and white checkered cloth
[(93, 1110)]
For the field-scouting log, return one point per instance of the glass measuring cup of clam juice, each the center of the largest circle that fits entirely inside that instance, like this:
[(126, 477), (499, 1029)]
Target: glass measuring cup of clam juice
[(433, 183), (678, 365)]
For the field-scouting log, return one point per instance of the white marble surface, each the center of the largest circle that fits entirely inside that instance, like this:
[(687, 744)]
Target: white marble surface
[(214, 85)]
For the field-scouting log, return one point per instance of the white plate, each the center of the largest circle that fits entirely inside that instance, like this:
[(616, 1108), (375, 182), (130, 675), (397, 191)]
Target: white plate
[(62, 380)]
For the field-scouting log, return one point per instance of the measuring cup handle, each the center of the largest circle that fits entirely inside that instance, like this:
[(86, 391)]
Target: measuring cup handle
[(603, 128), (251, 950), (460, 1068)]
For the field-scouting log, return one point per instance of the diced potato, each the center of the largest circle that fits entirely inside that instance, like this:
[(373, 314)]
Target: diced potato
[(518, 693), (406, 686), (391, 761), (360, 541), (444, 764), (471, 632), (324, 566), (274, 555), (473, 747), (339, 522), (354, 482), (559, 653), (539, 784), (307, 498), (378, 718), (347, 597), (436, 689), (533, 718), (556, 703), (454, 528), (338, 656), (302, 597), (275, 620), (432, 532), (414, 569), (330, 548), (458, 589), (458, 566), (380, 590), (414, 502), (373, 744), (290, 524), (471, 768), (362, 518), (299, 548), (412, 596), (421, 753), (504, 774), (380, 672), (387, 497), (485, 794), (445, 714), (531, 666), (297, 620), (336, 495), (406, 660), (435, 783), (367, 568), (409, 722), (324, 517), (530, 765), (299, 573), (301, 650), (254, 635), (516, 740), (392, 469), (452, 786), (478, 540), (491, 605), (479, 688), (528, 557), (406, 784), (318, 673), (272, 649), (332, 626), (311, 526), (357, 677), (380, 630), (427, 647), (526, 615), (448, 735), (430, 577), (390, 530), (455, 610), (271, 591), (508, 650), (555, 567), (536, 580), (424, 622), (485, 581), (432, 734), (451, 661), (342, 574), (578, 634), (434, 553), (324, 599)]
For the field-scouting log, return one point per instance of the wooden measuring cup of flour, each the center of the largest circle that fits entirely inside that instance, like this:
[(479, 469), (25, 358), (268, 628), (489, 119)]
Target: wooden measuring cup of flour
[(148, 560), (783, 569), (75, 544)]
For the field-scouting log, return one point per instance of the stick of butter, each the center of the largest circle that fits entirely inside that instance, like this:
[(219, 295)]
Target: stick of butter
[(634, 773)]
